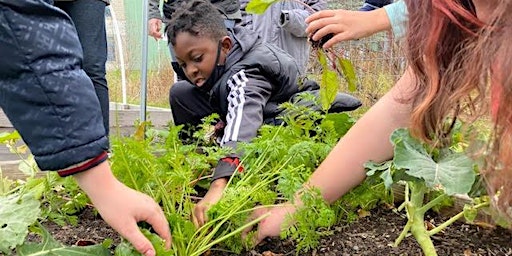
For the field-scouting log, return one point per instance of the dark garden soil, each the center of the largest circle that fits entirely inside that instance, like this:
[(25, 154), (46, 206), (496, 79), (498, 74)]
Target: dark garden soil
[(371, 235)]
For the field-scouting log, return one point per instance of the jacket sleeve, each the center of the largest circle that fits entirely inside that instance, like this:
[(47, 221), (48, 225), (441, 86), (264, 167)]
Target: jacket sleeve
[(154, 9), (294, 20), (44, 92), (398, 17), (249, 93)]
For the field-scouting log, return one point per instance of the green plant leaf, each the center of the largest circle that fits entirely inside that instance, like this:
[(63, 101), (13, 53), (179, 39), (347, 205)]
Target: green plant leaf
[(7, 136), (452, 172), (349, 72), (16, 214), (28, 166), (50, 246), (259, 6), (328, 88), (342, 122), (383, 168), (470, 213), (329, 85)]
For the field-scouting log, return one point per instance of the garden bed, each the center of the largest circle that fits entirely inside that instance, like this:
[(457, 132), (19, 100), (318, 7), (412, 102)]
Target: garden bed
[(370, 235)]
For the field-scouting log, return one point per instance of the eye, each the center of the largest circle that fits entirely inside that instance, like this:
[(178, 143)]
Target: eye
[(183, 65), (198, 58)]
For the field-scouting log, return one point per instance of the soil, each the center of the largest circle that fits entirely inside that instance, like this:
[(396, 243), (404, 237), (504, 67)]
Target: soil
[(371, 235)]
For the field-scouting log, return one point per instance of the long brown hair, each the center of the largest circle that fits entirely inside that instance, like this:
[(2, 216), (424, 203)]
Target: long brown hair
[(462, 66)]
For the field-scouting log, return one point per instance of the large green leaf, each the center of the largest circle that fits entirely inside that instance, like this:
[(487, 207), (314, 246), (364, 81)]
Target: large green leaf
[(452, 172), (259, 6), (50, 246), (16, 214)]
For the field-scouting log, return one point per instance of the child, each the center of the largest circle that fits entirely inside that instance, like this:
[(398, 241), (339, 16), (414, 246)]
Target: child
[(233, 73), (458, 52), (51, 101)]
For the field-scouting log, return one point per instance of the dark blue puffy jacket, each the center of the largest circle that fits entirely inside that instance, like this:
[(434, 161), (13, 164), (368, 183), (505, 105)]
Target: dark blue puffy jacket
[(43, 90)]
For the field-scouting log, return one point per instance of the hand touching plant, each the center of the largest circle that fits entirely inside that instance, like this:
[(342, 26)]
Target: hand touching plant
[(342, 25), (122, 207), (271, 226), (213, 195)]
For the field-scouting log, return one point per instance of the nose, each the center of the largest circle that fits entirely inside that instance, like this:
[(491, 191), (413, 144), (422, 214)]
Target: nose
[(191, 71)]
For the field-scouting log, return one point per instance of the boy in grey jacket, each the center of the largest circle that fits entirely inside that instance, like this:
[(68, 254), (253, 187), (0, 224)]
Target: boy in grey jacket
[(231, 72)]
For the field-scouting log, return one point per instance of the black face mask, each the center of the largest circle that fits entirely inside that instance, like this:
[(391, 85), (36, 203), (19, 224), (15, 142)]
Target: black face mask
[(217, 72)]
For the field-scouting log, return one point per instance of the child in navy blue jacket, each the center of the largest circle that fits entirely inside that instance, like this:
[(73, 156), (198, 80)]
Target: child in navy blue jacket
[(51, 101)]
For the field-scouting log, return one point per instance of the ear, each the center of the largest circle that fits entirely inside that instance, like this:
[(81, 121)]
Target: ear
[(226, 44)]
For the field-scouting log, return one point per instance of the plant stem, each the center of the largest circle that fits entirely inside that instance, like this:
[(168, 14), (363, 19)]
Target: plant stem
[(453, 219), (433, 203), (418, 230), (403, 234), (238, 230)]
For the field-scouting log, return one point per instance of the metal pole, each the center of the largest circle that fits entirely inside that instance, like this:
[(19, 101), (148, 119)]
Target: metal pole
[(144, 67), (120, 52)]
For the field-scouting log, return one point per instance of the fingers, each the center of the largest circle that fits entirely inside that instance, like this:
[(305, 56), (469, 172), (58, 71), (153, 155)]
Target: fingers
[(154, 27), (132, 233), (199, 217), (254, 215), (320, 15), (159, 223)]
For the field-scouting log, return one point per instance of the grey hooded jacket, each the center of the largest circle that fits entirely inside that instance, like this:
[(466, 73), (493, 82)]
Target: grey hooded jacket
[(283, 24)]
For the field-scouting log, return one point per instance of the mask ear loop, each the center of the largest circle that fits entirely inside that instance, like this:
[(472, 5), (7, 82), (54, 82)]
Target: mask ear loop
[(219, 47), (216, 59)]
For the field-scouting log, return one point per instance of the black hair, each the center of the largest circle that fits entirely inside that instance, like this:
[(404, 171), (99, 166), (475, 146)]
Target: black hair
[(197, 17)]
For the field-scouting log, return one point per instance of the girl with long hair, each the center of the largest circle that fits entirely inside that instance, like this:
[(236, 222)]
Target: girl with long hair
[(460, 62)]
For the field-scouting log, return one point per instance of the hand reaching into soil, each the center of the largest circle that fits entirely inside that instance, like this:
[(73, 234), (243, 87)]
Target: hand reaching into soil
[(122, 207), (343, 25), (273, 224), (213, 195)]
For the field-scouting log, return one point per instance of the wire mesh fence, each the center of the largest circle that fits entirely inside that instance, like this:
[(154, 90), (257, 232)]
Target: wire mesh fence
[(378, 60)]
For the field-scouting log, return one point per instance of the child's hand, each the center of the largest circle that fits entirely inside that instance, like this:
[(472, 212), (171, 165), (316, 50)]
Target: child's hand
[(154, 28), (345, 25), (272, 225), (213, 195), (122, 207)]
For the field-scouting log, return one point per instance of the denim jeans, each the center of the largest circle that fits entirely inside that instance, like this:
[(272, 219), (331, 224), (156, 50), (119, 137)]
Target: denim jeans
[(89, 19)]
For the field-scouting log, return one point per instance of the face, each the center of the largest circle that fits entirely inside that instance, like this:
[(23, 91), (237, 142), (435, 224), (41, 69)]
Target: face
[(197, 55)]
